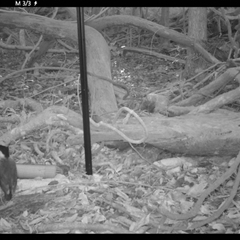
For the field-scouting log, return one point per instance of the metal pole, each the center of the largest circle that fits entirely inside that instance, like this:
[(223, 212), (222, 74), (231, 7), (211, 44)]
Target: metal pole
[(84, 89)]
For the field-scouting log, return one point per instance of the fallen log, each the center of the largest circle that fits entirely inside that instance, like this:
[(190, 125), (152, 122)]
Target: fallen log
[(211, 134)]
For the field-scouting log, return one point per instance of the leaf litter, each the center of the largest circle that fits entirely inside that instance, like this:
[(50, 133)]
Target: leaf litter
[(126, 194)]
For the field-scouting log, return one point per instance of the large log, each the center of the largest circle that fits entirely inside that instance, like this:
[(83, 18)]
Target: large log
[(211, 134), (98, 54)]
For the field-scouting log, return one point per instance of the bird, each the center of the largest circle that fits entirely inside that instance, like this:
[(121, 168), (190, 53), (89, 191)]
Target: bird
[(8, 173)]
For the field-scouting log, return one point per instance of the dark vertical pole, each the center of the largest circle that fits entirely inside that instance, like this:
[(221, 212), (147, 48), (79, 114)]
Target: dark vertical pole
[(84, 89)]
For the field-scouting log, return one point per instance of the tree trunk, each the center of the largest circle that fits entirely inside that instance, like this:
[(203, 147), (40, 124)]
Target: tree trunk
[(197, 30), (164, 16), (165, 22)]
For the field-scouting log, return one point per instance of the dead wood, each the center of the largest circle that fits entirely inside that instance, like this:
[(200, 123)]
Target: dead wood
[(98, 55), (212, 134), (208, 90), (157, 29)]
